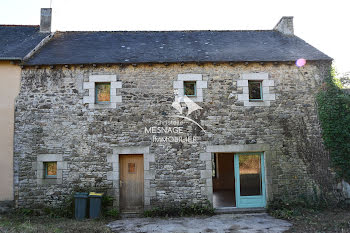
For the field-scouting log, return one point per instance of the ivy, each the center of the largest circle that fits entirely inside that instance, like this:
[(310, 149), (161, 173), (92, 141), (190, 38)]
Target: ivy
[(334, 114)]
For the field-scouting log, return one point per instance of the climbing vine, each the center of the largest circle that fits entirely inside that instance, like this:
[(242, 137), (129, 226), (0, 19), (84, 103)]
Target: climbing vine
[(334, 113)]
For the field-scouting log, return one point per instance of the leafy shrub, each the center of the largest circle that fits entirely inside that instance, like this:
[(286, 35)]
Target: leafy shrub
[(334, 113), (288, 207), (112, 213)]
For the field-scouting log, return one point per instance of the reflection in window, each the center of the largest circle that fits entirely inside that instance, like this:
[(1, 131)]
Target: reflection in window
[(250, 175), (255, 90), (103, 92), (50, 169), (131, 167), (190, 88)]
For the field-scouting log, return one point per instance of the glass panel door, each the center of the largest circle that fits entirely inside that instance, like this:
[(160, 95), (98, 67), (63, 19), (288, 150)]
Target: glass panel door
[(249, 176)]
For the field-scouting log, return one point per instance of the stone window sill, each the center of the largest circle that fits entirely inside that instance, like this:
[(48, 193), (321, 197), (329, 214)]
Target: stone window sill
[(256, 100)]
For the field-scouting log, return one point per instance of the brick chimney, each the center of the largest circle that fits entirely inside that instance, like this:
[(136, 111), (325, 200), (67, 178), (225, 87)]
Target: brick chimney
[(45, 20), (285, 26)]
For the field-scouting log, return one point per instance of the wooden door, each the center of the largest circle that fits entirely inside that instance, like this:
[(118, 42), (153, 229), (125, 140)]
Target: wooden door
[(131, 183)]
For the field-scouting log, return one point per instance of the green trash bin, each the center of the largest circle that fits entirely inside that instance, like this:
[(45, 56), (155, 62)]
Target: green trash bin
[(80, 201), (95, 200)]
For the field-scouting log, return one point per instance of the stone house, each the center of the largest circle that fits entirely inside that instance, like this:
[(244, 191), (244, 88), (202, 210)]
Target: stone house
[(155, 118), (16, 43)]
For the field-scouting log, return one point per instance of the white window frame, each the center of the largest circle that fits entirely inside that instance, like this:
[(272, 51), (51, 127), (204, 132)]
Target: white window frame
[(39, 168), (91, 86), (267, 85), (179, 86)]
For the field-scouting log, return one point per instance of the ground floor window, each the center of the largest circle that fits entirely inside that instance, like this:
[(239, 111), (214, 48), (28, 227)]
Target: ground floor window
[(50, 169)]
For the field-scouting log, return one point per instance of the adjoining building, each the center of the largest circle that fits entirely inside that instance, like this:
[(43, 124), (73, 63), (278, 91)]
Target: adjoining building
[(16, 43)]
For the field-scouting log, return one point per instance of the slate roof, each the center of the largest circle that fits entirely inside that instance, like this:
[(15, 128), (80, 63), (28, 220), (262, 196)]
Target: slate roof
[(16, 41), (173, 46)]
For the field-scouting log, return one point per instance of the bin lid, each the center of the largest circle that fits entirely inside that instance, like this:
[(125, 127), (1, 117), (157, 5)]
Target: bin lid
[(83, 195), (93, 194)]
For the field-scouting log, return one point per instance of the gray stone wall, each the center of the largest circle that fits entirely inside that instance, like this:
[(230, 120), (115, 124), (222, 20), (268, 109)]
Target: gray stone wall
[(51, 118)]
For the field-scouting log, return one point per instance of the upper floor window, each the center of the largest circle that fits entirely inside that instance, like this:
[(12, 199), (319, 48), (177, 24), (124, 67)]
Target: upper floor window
[(255, 90), (103, 93), (190, 88)]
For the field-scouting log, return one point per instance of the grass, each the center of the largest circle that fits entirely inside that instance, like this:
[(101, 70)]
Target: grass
[(327, 220), (13, 223)]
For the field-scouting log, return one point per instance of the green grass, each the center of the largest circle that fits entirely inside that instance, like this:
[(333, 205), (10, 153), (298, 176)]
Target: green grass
[(13, 223)]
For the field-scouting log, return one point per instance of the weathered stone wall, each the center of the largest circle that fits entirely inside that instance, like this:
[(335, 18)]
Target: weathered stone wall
[(52, 119)]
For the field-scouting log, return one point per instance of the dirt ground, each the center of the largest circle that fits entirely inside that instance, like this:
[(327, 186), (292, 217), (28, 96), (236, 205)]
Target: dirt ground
[(336, 220), (243, 223), (307, 221)]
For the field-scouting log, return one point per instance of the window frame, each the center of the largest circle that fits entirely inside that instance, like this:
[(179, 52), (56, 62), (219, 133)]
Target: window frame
[(46, 176), (214, 169), (96, 94), (195, 88), (261, 90)]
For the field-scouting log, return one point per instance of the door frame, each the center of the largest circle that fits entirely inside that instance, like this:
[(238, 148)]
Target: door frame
[(269, 156), (250, 201), (148, 173), (143, 180)]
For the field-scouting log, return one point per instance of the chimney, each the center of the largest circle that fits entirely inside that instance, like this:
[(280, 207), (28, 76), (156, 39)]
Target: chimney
[(285, 26), (45, 20)]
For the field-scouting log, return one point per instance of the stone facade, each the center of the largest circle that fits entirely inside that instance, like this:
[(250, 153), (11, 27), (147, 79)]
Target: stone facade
[(53, 118)]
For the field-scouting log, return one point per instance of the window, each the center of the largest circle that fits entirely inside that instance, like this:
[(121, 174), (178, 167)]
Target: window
[(103, 93), (190, 88), (50, 169), (255, 90)]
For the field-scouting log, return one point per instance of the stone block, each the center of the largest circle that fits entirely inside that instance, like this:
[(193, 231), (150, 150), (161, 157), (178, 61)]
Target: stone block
[(189, 77), (178, 84), (103, 78), (269, 97), (202, 84), (205, 174), (268, 83), (116, 84), (88, 85), (205, 156), (116, 99), (242, 97), (255, 76), (242, 83), (88, 99)]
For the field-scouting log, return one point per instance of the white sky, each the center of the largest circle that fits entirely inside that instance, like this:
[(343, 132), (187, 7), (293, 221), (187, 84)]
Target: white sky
[(323, 24)]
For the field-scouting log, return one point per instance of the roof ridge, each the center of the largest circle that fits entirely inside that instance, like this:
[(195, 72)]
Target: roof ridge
[(18, 25), (257, 30)]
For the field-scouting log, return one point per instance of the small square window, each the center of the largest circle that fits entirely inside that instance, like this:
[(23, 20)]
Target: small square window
[(103, 93), (190, 88), (255, 90), (50, 169), (131, 167)]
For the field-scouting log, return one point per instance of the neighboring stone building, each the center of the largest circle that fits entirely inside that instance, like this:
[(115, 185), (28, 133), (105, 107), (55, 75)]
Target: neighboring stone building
[(155, 118), (16, 42)]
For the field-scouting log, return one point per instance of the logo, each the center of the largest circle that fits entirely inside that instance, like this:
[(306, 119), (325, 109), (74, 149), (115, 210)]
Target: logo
[(191, 107), (172, 130)]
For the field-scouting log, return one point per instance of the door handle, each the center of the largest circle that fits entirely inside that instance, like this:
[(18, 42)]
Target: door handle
[(120, 183)]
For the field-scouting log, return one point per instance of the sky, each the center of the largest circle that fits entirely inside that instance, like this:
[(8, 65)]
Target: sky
[(323, 24)]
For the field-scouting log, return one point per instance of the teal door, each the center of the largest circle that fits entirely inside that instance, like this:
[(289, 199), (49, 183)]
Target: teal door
[(250, 180)]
